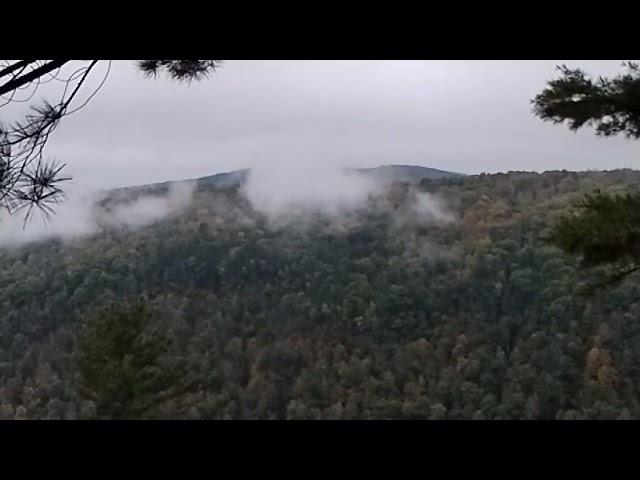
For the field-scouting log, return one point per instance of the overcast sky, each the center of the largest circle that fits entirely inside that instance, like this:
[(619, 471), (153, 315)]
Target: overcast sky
[(463, 116)]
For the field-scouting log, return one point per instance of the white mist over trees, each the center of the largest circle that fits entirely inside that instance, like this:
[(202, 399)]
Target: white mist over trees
[(280, 188), (79, 215), (284, 192)]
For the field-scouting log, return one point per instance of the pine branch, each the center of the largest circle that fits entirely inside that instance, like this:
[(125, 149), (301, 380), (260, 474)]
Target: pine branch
[(32, 75), (12, 68)]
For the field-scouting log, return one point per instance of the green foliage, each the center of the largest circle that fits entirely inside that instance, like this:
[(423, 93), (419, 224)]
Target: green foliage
[(122, 362), (612, 106), (604, 230), (376, 313)]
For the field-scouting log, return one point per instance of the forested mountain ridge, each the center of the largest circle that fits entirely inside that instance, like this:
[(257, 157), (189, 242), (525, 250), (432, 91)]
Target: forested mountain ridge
[(405, 173), (392, 310), (385, 173)]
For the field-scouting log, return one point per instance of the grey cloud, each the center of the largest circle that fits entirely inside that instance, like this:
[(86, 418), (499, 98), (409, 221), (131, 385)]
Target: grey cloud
[(468, 116), (286, 117), (78, 216)]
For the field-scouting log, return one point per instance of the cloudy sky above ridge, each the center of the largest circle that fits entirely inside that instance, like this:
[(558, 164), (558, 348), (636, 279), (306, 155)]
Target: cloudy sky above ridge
[(463, 116)]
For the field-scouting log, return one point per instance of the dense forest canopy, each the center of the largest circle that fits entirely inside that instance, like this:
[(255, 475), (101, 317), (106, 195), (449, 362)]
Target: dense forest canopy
[(382, 311)]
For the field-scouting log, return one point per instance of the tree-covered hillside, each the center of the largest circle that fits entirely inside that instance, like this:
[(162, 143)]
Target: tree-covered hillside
[(433, 301)]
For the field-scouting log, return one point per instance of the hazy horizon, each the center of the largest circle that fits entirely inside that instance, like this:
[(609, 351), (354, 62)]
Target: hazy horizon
[(462, 116), (296, 124)]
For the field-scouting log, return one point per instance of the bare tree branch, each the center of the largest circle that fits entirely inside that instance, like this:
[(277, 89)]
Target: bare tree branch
[(32, 75), (27, 181), (11, 68)]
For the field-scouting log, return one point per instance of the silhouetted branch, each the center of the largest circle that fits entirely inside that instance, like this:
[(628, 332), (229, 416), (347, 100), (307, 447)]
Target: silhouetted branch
[(611, 105), (23, 188), (27, 182), (179, 69), (32, 75), (15, 66)]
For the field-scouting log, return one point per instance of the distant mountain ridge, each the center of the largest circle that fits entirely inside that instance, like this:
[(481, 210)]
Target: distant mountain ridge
[(387, 173), (405, 173), (384, 173), (225, 179)]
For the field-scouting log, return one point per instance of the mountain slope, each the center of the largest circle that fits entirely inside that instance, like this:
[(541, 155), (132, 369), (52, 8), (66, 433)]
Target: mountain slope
[(385, 173), (380, 312), (406, 173)]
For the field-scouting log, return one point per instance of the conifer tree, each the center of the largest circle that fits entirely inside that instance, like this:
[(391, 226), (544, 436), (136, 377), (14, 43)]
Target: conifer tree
[(124, 363), (603, 228)]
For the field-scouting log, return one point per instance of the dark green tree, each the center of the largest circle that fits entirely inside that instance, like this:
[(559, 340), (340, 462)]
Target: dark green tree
[(124, 364), (611, 105), (603, 228)]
